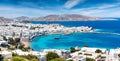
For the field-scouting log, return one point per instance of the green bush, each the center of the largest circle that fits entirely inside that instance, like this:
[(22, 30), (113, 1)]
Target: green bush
[(18, 59), (34, 59), (58, 59), (51, 55), (17, 40), (70, 60), (14, 42), (1, 57), (88, 54), (90, 59), (72, 50), (29, 57), (11, 41), (4, 38), (98, 51), (5, 59)]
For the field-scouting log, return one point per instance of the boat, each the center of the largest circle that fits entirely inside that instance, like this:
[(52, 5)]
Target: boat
[(57, 37)]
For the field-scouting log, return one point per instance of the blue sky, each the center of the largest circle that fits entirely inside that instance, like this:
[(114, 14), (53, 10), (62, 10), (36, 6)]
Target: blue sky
[(36, 8)]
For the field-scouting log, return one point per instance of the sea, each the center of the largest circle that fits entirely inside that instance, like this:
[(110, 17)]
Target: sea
[(109, 40)]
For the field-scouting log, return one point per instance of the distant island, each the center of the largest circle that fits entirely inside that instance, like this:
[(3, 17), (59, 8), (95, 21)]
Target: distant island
[(63, 17)]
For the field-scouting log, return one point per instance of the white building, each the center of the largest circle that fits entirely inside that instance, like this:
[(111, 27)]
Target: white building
[(6, 54)]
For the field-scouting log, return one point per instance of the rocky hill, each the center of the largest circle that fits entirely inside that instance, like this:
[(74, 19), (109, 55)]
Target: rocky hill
[(5, 20), (65, 17)]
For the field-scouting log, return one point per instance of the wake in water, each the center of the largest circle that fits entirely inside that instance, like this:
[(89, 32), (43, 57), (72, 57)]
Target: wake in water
[(107, 33)]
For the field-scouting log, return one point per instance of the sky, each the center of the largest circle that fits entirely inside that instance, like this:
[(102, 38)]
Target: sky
[(37, 8)]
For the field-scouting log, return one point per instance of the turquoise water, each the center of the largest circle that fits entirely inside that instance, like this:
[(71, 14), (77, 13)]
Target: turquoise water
[(80, 39), (76, 39)]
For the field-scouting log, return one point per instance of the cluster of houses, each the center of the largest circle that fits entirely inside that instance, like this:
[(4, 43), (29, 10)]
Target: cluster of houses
[(26, 30), (81, 55)]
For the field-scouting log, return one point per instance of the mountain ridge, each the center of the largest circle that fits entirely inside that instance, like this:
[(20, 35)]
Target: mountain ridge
[(64, 17)]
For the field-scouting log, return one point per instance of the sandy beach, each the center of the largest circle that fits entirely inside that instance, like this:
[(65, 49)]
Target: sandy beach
[(26, 44)]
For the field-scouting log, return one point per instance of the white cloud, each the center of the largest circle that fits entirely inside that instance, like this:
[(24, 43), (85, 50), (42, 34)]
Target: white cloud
[(104, 10), (112, 10), (15, 12), (106, 6), (71, 3)]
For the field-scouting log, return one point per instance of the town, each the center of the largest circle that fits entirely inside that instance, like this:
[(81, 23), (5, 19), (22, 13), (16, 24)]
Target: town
[(16, 37)]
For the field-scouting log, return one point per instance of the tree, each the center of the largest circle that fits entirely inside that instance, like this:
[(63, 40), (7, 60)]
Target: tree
[(51, 55), (98, 51), (11, 41), (58, 59), (21, 46), (18, 59), (17, 40), (90, 59), (14, 42), (4, 38), (34, 59), (1, 57), (72, 50)]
